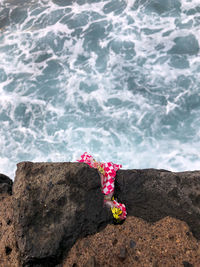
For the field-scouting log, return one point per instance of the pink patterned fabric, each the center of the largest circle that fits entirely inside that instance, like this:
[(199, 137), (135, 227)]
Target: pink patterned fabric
[(109, 172), (122, 208)]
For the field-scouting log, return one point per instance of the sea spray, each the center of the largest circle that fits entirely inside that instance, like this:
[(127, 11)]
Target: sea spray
[(118, 79)]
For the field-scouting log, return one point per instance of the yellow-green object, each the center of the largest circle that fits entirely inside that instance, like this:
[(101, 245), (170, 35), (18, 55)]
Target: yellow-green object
[(116, 212), (101, 170), (99, 167)]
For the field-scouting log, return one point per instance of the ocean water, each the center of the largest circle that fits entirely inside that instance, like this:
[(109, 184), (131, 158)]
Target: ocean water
[(119, 79)]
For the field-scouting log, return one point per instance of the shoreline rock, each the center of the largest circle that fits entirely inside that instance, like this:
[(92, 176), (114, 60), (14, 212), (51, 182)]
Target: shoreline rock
[(5, 184), (56, 204), (167, 242), (154, 194)]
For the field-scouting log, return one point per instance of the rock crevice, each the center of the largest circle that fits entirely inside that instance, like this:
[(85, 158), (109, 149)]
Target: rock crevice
[(55, 204)]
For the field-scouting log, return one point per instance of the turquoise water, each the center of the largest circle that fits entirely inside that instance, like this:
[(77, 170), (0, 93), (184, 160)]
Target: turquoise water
[(118, 79)]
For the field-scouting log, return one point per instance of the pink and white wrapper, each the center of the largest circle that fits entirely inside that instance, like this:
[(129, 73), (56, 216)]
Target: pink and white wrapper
[(109, 173), (109, 169)]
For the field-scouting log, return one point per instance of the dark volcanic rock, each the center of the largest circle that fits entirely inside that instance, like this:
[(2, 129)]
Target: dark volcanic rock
[(154, 194), (56, 203), (122, 254), (5, 184)]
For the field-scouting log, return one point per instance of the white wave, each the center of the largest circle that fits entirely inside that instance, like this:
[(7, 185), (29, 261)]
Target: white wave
[(115, 95)]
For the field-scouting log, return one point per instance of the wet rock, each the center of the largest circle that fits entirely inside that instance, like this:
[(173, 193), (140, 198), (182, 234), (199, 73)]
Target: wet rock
[(5, 184)]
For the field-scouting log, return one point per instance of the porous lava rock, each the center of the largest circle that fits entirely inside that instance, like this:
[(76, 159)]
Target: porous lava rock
[(57, 203), (54, 204), (9, 255), (137, 243), (5, 184), (154, 194)]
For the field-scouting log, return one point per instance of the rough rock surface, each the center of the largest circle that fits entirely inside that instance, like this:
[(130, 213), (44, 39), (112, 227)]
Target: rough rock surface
[(5, 184), (54, 204), (9, 254), (167, 242), (154, 194)]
